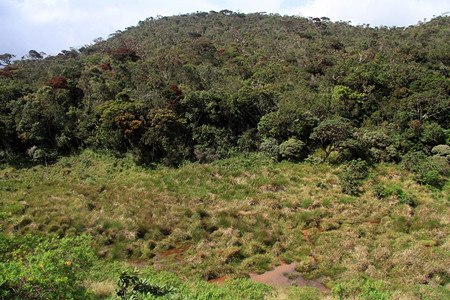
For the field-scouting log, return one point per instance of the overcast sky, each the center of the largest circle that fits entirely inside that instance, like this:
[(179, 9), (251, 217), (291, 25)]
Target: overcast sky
[(53, 25)]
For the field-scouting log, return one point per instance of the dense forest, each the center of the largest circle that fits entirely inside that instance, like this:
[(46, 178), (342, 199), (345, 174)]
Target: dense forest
[(207, 88), (207, 85)]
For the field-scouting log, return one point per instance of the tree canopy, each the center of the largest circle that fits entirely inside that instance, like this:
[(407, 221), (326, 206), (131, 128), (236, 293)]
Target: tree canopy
[(203, 86)]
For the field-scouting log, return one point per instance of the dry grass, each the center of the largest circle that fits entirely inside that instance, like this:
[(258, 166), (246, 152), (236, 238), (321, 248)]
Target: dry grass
[(237, 216)]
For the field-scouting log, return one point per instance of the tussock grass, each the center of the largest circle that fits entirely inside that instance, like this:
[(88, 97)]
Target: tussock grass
[(239, 215)]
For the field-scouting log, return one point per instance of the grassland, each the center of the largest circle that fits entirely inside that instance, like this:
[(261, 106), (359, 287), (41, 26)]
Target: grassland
[(238, 216)]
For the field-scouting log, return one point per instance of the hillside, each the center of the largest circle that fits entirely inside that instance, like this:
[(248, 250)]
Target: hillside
[(207, 85), (231, 218), (218, 146)]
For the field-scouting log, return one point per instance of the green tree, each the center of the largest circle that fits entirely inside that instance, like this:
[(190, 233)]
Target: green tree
[(119, 123), (253, 102), (292, 149), (286, 123), (34, 55), (331, 133), (44, 123), (349, 103), (5, 59), (166, 136)]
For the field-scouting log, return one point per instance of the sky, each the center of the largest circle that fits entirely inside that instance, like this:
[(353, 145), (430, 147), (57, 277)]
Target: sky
[(50, 26)]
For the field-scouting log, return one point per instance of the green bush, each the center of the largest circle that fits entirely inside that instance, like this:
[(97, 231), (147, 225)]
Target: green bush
[(292, 149), (54, 269), (426, 170), (413, 160), (381, 192), (270, 147), (441, 154), (373, 146), (132, 285), (367, 289), (212, 143), (354, 172), (432, 135), (441, 150), (403, 197)]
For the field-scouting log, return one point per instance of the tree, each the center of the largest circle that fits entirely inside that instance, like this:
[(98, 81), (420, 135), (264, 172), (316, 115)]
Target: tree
[(349, 103), (205, 107), (429, 105), (58, 82), (5, 59), (331, 133), (252, 102), (120, 122), (286, 123), (292, 149), (166, 137), (44, 123), (34, 55)]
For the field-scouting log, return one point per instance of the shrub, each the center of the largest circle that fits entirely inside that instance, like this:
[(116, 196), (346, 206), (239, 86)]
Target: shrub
[(431, 178), (331, 133), (374, 146), (131, 287), (124, 54), (403, 197), (292, 149), (212, 143), (381, 192), (426, 170), (270, 147), (168, 286), (42, 154), (354, 172), (367, 289), (441, 151), (247, 142), (432, 135), (55, 269), (412, 160)]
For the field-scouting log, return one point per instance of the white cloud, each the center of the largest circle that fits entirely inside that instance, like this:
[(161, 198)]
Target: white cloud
[(374, 12)]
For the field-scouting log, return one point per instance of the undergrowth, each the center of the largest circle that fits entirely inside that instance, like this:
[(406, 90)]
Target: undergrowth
[(228, 218)]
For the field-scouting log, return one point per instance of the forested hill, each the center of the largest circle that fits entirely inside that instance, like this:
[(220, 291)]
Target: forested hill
[(205, 86), (86, 137)]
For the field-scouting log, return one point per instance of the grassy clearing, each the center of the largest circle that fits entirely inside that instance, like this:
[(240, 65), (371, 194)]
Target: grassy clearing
[(237, 216)]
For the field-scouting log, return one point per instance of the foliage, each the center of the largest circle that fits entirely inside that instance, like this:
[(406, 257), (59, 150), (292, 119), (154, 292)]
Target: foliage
[(270, 146), (370, 290), (427, 170), (292, 149), (59, 82), (372, 146), (132, 285), (217, 77), (119, 123), (349, 103), (52, 269), (441, 150), (330, 134), (228, 218), (6, 58), (201, 92), (354, 172)]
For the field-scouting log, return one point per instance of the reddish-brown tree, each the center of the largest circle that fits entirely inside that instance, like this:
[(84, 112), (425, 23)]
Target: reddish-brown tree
[(58, 82)]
